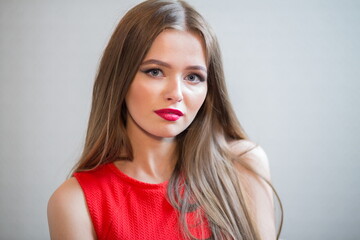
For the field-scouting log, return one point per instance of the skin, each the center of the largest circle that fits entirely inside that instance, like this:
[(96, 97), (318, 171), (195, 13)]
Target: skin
[(172, 75), (257, 193)]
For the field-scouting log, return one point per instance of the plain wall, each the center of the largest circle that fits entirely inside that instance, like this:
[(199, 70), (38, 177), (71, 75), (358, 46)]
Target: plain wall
[(293, 75)]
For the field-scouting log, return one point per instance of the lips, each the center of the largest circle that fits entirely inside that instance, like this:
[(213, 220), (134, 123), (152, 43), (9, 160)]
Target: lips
[(169, 114)]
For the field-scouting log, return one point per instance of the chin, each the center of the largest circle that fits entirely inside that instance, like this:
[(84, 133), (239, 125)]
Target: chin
[(167, 134)]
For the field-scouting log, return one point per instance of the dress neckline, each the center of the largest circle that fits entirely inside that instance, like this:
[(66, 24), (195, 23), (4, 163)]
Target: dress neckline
[(135, 182)]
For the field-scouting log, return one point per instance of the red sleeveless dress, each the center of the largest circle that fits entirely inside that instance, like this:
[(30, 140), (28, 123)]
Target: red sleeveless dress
[(124, 208)]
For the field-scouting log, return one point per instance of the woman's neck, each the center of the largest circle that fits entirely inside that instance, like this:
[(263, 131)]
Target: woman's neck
[(154, 158)]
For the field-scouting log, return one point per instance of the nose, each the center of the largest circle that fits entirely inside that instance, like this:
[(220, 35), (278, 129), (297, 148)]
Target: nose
[(173, 92)]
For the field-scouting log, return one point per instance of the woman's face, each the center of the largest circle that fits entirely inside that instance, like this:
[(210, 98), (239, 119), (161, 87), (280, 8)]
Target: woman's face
[(170, 85)]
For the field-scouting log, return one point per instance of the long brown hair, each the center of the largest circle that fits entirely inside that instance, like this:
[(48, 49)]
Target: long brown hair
[(204, 176)]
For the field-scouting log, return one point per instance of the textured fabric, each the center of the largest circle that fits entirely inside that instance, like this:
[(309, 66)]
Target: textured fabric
[(124, 208)]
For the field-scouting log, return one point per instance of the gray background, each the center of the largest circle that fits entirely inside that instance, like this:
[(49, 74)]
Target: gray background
[(293, 74)]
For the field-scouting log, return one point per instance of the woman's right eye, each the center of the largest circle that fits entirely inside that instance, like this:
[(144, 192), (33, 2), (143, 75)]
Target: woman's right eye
[(154, 72)]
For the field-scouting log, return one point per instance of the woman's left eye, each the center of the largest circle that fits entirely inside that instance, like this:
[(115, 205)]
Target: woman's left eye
[(194, 78)]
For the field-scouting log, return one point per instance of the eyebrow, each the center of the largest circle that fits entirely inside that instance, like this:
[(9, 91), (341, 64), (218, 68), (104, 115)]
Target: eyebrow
[(164, 64)]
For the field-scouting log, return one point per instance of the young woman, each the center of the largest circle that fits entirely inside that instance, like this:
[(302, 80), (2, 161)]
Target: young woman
[(165, 157)]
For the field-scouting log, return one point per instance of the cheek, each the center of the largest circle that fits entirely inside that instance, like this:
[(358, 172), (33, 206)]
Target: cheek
[(134, 100), (137, 95), (131, 97), (196, 99)]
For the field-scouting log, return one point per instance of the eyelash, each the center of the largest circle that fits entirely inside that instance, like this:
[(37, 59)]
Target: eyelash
[(148, 71), (151, 70)]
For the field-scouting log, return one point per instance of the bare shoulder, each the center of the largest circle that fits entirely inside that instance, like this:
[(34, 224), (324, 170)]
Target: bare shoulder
[(68, 215), (69, 189), (252, 155), (257, 193)]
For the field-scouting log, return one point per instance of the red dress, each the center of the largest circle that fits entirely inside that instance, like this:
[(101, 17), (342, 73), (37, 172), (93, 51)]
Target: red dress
[(124, 208)]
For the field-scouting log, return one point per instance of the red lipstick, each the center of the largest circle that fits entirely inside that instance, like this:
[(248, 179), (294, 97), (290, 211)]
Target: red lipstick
[(169, 114)]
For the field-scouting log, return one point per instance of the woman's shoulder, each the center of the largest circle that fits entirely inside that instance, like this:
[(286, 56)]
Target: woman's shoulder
[(68, 216), (252, 155), (253, 167), (69, 191)]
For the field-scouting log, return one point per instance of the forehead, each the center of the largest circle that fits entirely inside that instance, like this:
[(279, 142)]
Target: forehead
[(178, 45)]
